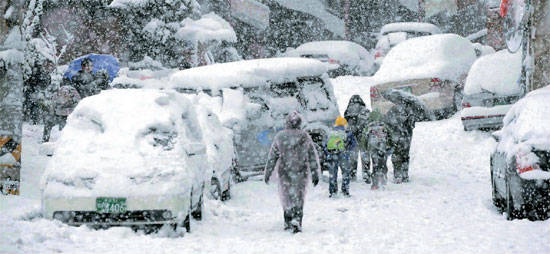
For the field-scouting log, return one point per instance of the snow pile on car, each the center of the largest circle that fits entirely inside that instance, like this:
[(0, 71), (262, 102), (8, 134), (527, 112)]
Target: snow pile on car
[(341, 50), (443, 56), (121, 143), (497, 73), (527, 127), (247, 73), (209, 27), (410, 26), (145, 78)]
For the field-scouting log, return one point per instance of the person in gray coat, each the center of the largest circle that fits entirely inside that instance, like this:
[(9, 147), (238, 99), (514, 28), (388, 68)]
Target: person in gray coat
[(294, 158), (357, 115)]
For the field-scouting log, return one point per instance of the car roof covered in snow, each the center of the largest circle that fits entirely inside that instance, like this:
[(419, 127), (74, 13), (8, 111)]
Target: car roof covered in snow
[(110, 139), (410, 27), (247, 73), (334, 49), (527, 125), (497, 73), (443, 56)]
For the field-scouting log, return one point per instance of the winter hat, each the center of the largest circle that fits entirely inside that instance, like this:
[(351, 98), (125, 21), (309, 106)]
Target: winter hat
[(293, 120), (340, 121)]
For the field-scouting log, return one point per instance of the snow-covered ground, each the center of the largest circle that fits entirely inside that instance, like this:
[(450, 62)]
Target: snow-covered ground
[(446, 208)]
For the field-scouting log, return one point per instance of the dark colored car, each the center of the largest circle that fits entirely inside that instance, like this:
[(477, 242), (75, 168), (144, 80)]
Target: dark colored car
[(520, 164)]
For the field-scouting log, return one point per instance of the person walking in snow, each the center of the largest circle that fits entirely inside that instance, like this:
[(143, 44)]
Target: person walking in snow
[(400, 122), (294, 158), (88, 83), (66, 100), (357, 116), (374, 139), (339, 145)]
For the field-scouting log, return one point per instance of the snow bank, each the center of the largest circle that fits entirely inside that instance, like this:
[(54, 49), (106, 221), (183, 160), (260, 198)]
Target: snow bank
[(334, 49), (247, 73), (443, 56), (209, 27), (497, 73), (123, 143), (410, 26), (527, 126)]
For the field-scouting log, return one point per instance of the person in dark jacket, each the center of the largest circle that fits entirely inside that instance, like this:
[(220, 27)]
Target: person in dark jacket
[(400, 122), (340, 143), (38, 81), (88, 83), (294, 158), (374, 139), (357, 115)]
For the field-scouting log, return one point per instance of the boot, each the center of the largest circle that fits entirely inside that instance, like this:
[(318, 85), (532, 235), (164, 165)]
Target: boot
[(405, 176), (288, 218)]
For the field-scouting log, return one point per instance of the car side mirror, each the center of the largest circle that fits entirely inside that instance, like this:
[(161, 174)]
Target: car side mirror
[(195, 148)]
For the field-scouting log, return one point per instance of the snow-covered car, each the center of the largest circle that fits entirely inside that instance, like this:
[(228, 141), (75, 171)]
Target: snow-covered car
[(255, 96), (394, 33), (344, 57), (219, 144), (520, 163), (127, 157), (433, 68), (491, 89)]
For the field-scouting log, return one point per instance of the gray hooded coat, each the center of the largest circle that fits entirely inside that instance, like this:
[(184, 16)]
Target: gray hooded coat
[(293, 157)]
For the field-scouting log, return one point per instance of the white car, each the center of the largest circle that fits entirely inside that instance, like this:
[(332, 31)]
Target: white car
[(433, 68), (394, 33), (491, 89), (344, 57), (219, 144), (127, 158)]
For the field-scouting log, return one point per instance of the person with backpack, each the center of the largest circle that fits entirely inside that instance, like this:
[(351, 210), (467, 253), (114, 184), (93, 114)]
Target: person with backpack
[(357, 115), (294, 158), (339, 145), (374, 140), (65, 101)]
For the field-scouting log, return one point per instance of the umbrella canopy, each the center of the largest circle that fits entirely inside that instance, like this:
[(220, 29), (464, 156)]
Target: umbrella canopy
[(101, 62), (406, 99)]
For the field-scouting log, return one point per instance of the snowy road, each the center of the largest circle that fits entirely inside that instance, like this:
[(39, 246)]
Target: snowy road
[(446, 208)]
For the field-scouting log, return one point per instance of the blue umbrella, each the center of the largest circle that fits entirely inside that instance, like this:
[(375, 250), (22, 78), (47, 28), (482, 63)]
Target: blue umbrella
[(101, 62)]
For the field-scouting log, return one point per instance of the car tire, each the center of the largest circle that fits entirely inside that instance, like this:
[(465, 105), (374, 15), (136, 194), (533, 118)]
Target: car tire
[(511, 212), (226, 194), (215, 189), (497, 199), (197, 213)]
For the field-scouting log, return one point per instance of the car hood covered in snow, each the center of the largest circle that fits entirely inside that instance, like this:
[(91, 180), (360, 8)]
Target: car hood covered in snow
[(496, 73), (443, 56), (527, 127), (124, 142)]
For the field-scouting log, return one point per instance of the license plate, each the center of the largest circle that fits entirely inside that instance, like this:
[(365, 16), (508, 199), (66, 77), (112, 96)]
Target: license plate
[(110, 205)]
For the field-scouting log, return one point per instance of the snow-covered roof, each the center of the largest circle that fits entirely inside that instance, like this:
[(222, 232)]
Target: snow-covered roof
[(247, 73), (410, 26), (527, 126), (334, 49), (108, 145), (443, 56), (497, 73), (317, 9), (209, 27)]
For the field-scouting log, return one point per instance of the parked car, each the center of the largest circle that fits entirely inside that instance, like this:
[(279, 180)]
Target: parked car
[(491, 88), (127, 158), (433, 68), (394, 33), (219, 144), (520, 163), (346, 57), (256, 95)]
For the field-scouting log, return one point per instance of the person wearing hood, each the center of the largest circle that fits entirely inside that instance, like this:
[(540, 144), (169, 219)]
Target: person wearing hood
[(294, 159), (339, 145), (400, 122), (357, 115), (374, 139)]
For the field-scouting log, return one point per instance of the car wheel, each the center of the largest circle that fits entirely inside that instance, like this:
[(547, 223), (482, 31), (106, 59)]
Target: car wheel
[(497, 199), (511, 212), (226, 194), (215, 189), (197, 213)]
